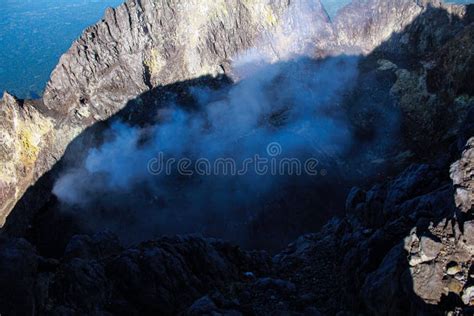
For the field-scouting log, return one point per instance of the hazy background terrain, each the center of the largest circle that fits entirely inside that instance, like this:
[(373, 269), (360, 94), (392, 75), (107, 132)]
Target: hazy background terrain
[(34, 34)]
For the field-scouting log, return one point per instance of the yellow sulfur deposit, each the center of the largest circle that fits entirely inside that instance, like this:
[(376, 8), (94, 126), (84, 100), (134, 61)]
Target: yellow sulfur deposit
[(29, 150), (155, 62), (261, 11), (270, 17)]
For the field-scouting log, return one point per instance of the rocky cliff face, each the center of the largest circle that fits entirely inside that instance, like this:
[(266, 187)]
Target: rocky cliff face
[(137, 46), (396, 22), (25, 142), (403, 246), (144, 44)]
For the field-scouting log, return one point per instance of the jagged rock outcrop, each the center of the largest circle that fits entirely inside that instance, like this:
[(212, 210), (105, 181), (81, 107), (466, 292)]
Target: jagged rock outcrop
[(462, 173), (26, 137), (399, 25), (137, 46), (19, 267), (435, 97), (433, 265), (357, 26), (164, 276), (404, 246), (144, 44)]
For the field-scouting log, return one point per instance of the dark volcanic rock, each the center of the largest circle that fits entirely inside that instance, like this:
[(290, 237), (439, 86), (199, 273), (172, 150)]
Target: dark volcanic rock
[(18, 273), (99, 246), (373, 259), (404, 245), (163, 276), (462, 173)]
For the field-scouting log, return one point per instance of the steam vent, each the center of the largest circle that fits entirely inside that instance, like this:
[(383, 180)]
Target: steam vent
[(244, 157)]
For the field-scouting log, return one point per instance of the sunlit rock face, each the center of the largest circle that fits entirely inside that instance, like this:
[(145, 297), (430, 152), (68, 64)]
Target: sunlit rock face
[(462, 173), (139, 45), (25, 139), (144, 44), (365, 25), (401, 246)]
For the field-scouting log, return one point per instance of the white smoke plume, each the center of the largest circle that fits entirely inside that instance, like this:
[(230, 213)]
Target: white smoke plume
[(303, 28), (283, 96)]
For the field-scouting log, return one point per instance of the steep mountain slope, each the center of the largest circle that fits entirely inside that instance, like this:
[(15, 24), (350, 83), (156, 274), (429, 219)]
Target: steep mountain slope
[(139, 45), (127, 53), (401, 246)]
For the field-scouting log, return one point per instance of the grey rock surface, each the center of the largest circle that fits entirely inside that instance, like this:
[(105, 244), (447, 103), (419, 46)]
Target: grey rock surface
[(404, 245), (144, 44), (462, 173)]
